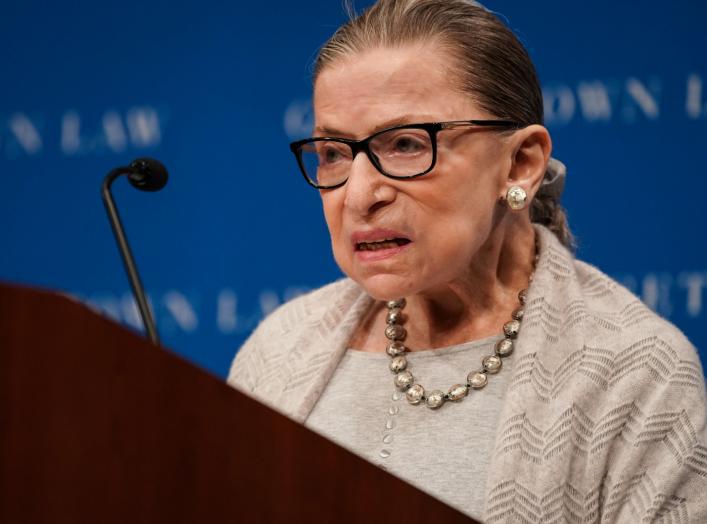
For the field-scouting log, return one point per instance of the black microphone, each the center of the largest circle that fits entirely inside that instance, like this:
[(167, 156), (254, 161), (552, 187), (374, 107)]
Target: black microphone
[(146, 174)]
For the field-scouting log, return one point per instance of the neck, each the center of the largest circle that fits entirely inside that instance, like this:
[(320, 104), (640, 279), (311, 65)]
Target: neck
[(477, 304)]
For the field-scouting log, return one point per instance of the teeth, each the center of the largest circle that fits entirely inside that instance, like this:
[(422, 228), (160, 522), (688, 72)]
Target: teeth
[(379, 244)]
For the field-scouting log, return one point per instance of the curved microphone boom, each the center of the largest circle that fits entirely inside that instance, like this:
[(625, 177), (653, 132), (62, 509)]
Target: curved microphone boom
[(146, 174)]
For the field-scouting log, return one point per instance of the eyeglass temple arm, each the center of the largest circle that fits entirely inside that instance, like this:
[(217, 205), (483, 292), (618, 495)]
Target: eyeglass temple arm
[(480, 123)]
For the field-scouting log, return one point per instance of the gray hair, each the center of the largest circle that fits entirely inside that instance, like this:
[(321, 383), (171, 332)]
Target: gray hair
[(493, 68)]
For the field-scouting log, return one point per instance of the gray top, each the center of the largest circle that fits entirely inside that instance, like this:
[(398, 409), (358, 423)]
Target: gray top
[(445, 452)]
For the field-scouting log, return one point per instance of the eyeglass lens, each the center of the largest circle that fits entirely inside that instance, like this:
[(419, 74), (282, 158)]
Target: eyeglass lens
[(400, 153)]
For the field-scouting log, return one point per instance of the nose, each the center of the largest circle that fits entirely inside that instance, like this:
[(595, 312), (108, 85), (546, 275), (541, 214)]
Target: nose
[(367, 190)]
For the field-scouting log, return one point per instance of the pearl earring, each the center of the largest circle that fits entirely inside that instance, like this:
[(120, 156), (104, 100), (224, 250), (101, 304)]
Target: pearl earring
[(516, 197)]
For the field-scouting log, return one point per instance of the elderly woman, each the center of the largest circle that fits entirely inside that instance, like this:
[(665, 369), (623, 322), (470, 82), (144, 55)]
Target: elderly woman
[(468, 352)]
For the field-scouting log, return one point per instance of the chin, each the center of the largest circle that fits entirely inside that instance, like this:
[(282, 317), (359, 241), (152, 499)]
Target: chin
[(385, 286), (379, 284)]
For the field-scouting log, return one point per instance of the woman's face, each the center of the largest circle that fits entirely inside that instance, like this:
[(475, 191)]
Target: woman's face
[(442, 219)]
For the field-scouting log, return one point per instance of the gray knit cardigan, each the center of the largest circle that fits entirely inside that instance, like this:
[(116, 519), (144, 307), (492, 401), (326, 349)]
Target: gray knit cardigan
[(604, 415)]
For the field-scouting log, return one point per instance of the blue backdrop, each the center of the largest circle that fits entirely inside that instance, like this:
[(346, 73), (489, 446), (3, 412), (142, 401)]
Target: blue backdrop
[(216, 90)]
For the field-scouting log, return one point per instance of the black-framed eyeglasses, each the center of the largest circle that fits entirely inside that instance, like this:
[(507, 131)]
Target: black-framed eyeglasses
[(400, 152)]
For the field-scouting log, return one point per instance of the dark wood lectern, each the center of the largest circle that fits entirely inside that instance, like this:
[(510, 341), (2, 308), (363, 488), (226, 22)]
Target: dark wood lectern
[(98, 426)]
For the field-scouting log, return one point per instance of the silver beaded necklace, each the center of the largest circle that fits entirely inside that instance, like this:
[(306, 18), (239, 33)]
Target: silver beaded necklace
[(490, 365)]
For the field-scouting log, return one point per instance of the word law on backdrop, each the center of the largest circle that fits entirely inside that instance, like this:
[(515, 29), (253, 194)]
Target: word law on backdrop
[(77, 133)]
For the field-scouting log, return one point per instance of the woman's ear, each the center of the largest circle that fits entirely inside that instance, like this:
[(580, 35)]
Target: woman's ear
[(532, 146)]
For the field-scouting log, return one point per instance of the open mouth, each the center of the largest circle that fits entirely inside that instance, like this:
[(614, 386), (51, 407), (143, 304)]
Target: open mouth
[(387, 243)]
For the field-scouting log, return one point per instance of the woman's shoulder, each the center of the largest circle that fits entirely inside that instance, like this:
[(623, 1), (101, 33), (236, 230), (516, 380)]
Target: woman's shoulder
[(303, 312), (583, 328), (576, 299), (624, 316), (297, 342)]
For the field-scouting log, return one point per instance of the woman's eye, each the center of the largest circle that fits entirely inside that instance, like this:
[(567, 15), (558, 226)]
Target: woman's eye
[(408, 145), (330, 155)]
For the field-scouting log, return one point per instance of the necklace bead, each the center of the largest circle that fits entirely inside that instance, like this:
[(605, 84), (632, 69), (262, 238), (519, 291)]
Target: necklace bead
[(504, 347), (395, 332), (492, 364), (394, 316), (457, 392), (511, 328), (398, 364), (415, 394), (477, 379), (404, 380), (523, 296), (395, 348), (399, 303), (435, 399)]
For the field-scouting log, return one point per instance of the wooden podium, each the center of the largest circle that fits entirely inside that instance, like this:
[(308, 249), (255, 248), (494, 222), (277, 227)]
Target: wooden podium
[(97, 426)]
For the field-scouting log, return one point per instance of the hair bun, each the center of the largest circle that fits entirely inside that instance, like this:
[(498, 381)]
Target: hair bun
[(554, 180)]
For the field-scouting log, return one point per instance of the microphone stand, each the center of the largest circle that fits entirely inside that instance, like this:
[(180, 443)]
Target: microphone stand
[(126, 254)]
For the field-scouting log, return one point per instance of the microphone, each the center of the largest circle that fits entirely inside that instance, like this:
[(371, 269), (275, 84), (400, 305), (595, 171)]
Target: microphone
[(146, 174)]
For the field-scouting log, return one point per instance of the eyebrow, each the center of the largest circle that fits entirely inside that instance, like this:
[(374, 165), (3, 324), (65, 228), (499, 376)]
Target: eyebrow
[(398, 121)]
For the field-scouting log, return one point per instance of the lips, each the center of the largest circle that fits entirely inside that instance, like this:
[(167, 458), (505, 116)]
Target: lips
[(379, 243)]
